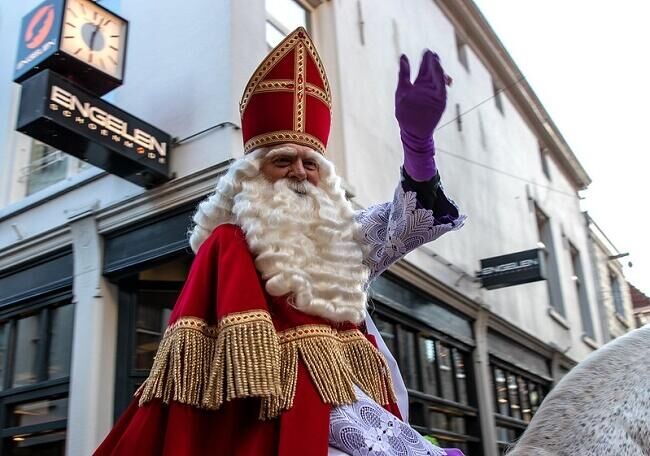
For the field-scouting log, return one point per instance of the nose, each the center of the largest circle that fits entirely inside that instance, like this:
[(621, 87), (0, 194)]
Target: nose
[(298, 170)]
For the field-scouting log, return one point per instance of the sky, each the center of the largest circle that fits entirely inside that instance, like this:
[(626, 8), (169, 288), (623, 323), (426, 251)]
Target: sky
[(587, 61)]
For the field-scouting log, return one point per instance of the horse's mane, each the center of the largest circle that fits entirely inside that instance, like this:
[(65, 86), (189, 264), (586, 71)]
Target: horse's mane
[(601, 407)]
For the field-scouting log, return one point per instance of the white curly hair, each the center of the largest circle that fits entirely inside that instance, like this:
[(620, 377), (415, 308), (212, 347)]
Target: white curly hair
[(304, 245)]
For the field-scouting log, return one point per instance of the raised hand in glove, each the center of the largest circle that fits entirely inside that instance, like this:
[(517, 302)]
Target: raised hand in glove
[(418, 109)]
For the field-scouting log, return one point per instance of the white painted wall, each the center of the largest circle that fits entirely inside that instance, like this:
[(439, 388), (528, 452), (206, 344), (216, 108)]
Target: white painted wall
[(186, 68), (499, 206)]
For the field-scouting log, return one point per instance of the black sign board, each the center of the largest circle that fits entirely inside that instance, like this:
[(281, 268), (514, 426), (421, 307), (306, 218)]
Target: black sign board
[(513, 269), (69, 118)]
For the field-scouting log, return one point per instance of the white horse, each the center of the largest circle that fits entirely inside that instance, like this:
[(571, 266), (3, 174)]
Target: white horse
[(600, 408)]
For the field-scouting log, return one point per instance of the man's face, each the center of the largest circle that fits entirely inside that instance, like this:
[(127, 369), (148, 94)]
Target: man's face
[(293, 162)]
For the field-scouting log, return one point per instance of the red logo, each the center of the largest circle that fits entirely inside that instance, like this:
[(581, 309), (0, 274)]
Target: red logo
[(39, 26)]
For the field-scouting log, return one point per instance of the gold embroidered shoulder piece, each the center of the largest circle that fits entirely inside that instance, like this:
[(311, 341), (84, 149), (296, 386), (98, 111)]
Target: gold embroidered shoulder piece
[(243, 356)]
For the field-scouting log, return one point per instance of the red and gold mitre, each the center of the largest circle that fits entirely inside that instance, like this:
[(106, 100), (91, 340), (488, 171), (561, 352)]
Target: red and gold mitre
[(288, 100)]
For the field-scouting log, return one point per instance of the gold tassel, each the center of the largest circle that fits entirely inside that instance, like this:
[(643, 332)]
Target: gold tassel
[(370, 370), (203, 365), (243, 356)]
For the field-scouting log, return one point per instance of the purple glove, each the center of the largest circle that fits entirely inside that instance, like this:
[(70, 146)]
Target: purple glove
[(453, 452), (418, 109)]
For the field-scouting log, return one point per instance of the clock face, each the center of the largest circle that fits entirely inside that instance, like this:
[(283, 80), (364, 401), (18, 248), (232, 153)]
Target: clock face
[(94, 36)]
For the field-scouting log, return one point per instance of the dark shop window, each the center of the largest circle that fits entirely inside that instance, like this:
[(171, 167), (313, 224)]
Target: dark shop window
[(437, 373), (518, 395), (146, 300), (35, 355)]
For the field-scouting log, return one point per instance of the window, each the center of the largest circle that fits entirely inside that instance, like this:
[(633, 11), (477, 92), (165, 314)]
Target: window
[(437, 373), (35, 355), (496, 91), (553, 280), (461, 51), (282, 17), (543, 157), (39, 166), (581, 295), (518, 395), (617, 297), (146, 302)]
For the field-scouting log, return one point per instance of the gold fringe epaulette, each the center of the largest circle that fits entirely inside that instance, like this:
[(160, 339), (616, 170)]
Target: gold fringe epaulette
[(243, 356)]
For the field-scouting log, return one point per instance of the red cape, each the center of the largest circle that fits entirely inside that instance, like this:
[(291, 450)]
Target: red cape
[(241, 373)]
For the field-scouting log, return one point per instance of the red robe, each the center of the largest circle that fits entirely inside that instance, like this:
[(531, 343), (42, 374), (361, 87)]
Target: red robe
[(241, 373)]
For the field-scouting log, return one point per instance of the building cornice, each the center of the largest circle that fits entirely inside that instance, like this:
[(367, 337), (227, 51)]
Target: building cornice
[(468, 19)]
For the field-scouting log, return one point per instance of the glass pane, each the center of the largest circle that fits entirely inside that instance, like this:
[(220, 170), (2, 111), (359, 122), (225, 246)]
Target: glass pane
[(438, 420), (273, 36), (27, 340), (430, 379), (43, 444), (43, 411), (501, 391), (513, 394), (505, 434), (526, 412), (387, 331), (61, 327), (417, 414), (288, 14), (4, 338), (536, 396), (408, 359), (152, 315), (47, 166), (461, 378), (458, 424), (446, 374)]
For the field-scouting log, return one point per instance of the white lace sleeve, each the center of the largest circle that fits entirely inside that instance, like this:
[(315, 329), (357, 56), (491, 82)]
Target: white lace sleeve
[(391, 230), (366, 429)]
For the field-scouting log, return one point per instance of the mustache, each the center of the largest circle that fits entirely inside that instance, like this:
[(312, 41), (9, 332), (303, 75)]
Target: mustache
[(299, 187)]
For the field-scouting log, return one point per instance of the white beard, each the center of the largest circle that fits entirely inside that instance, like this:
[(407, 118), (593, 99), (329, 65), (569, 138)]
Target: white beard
[(304, 244)]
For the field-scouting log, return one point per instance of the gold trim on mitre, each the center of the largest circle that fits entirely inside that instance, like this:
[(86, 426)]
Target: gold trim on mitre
[(284, 136), (300, 42), (298, 36)]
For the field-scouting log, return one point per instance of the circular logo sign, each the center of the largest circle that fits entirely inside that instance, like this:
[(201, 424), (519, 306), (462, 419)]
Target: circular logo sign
[(39, 26)]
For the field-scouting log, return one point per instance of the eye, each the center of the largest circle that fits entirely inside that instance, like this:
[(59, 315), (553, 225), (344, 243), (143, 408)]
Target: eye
[(310, 165), (281, 161)]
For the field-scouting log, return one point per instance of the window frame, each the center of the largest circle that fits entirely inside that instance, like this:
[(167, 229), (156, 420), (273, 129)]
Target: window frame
[(580, 290), (127, 376), (617, 293), (497, 91), (44, 388), (509, 422), (430, 402), (277, 24), (462, 50)]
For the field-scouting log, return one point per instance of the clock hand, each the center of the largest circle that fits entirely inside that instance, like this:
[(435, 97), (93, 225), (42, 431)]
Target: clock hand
[(92, 38)]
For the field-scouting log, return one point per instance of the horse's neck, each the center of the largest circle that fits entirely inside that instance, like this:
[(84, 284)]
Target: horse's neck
[(607, 395)]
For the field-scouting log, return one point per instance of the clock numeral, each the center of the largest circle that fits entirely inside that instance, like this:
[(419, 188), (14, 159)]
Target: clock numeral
[(101, 62), (90, 58), (112, 60), (108, 21), (71, 24), (72, 11), (95, 16), (115, 36), (77, 51), (69, 36), (114, 48), (82, 8)]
